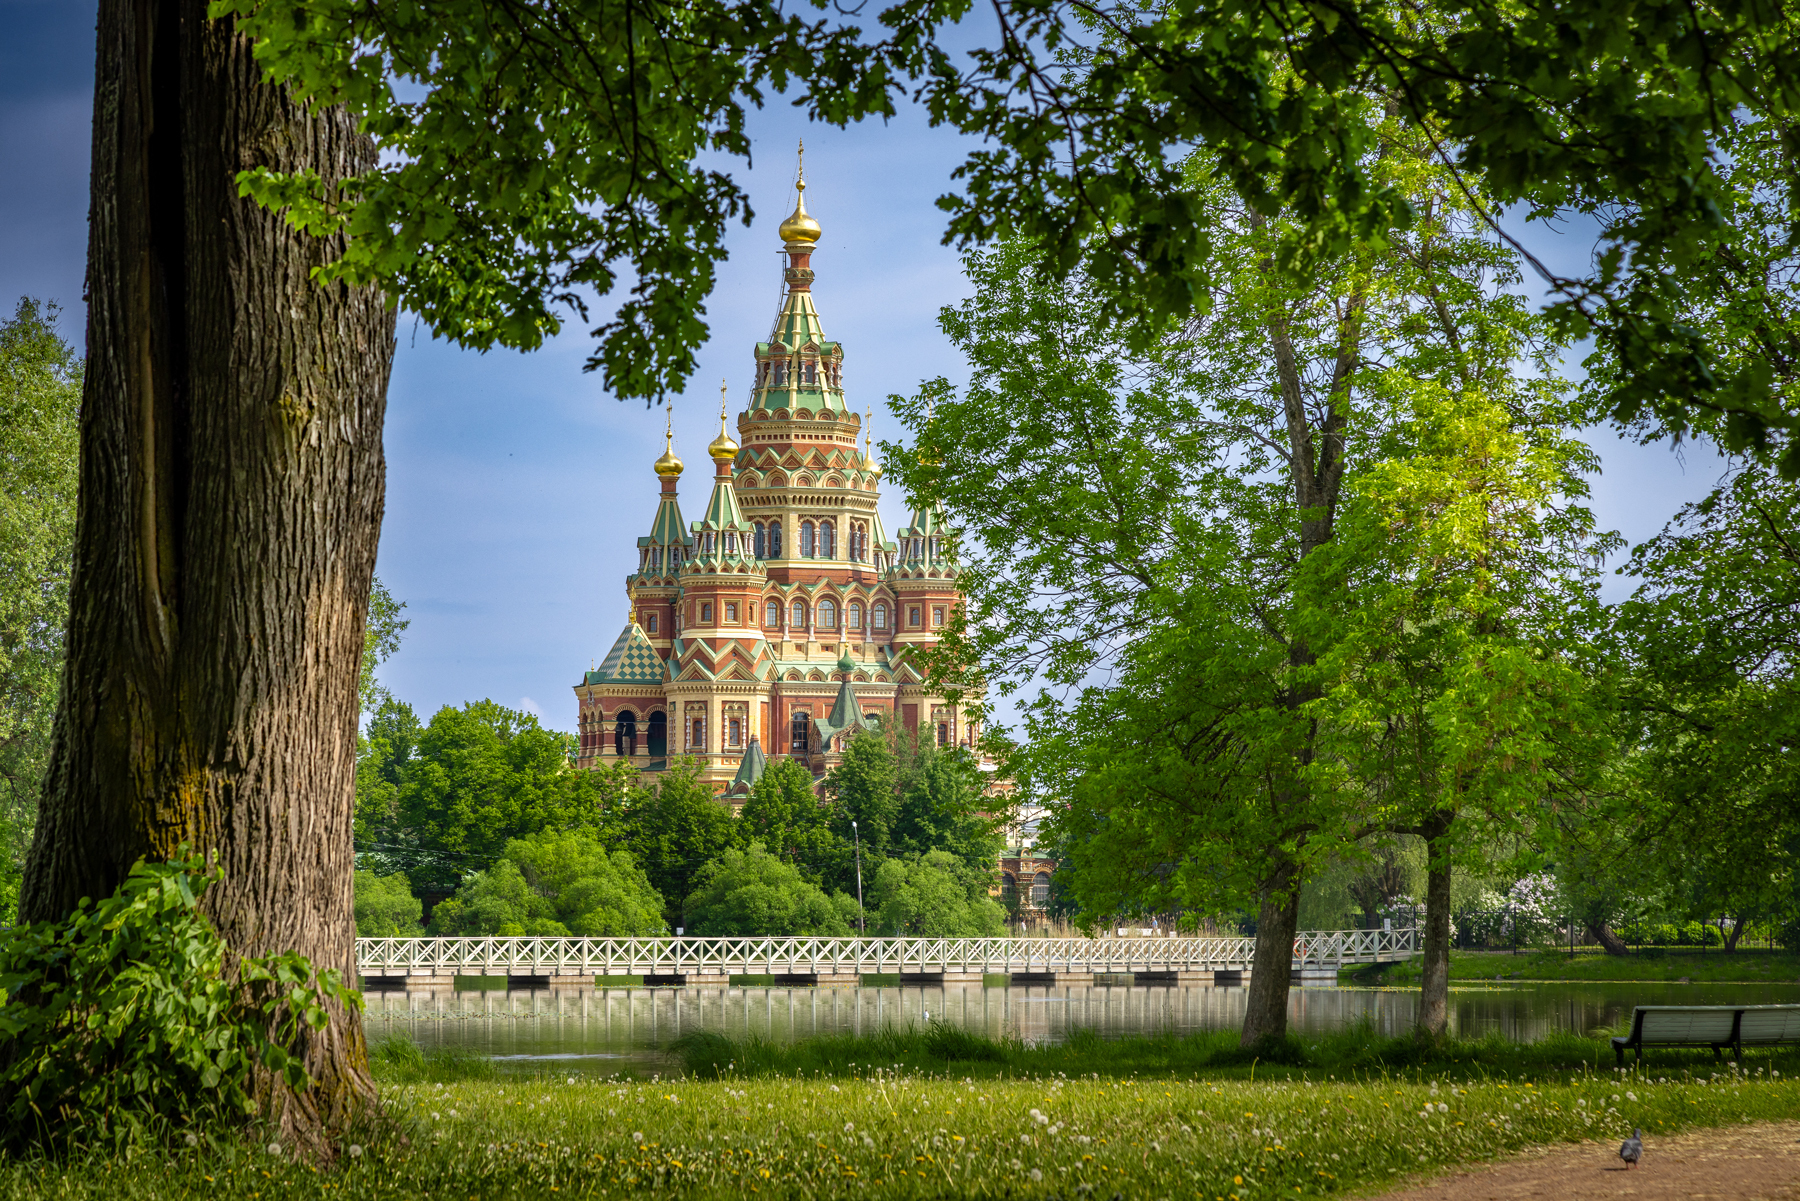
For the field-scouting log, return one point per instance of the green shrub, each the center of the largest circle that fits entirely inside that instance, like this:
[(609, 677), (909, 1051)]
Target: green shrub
[(386, 907), (555, 883), (120, 1027)]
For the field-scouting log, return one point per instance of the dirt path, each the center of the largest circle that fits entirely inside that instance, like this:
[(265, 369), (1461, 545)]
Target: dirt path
[(1739, 1163)]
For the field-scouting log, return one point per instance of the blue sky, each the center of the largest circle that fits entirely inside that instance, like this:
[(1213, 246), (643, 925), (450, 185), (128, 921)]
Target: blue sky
[(516, 487)]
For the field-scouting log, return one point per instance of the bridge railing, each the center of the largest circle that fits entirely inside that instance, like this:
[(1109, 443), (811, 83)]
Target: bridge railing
[(691, 955)]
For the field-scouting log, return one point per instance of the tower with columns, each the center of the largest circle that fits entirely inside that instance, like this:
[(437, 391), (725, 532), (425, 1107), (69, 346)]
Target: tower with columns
[(785, 616)]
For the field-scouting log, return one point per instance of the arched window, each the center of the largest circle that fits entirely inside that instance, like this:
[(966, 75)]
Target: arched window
[(1040, 889), (772, 614), (853, 616), (1009, 890), (658, 739), (943, 733), (828, 614), (806, 539), (809, 373), (758, 536), (797, 617), (880, 617), (827, 540), (801, 731), (705, 613), (780, 375), (625, 733), (731, 544), (774, 540)]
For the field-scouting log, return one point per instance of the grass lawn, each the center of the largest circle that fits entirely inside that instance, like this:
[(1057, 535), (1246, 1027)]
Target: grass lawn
[(1746, 965), (874, 1130)]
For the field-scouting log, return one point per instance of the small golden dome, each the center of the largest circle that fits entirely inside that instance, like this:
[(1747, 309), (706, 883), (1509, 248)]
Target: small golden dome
[(668, 466), (722, 449), (800, 227), (870, 462)]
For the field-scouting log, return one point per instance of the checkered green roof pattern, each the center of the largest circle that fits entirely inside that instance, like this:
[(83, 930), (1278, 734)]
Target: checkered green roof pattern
[(632, 660)]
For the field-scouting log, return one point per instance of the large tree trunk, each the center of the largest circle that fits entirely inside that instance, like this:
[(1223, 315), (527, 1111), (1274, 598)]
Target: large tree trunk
[(1737, 932), (231, 496), (1272, 968), (1434, 977)]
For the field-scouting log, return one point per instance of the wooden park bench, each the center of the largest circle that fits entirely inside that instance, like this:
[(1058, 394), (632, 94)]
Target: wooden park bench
[(1715, 1026)]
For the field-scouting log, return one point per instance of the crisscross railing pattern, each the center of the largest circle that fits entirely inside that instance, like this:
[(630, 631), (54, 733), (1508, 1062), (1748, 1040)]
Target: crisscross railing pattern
[(543, 956)]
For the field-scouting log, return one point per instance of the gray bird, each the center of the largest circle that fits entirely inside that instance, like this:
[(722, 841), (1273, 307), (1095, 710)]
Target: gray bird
[(1632, 1149)]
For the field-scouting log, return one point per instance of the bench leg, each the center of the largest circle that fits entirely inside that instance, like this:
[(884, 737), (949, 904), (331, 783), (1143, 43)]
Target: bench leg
[(1620, 1052)]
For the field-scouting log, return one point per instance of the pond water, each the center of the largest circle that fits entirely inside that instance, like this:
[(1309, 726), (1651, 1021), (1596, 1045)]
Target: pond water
[(605, 1029)]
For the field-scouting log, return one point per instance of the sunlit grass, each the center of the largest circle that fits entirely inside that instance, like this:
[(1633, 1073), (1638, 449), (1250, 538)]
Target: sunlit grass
[(879, 1131)]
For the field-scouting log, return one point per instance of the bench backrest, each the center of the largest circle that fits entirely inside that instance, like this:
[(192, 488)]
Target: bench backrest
[(1770, 1024), (1682, 1024)]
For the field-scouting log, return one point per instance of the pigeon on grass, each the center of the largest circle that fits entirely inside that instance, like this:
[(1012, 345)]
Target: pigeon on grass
[(1632, 1149)]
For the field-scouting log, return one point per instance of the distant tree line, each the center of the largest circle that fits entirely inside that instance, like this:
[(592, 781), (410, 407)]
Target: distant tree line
[(478, 822)]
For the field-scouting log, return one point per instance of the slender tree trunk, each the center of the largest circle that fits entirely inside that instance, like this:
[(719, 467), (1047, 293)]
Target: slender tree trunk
[(231, 495), (1434, 978), (1737, 932), (1272, 968), (1609, 942)]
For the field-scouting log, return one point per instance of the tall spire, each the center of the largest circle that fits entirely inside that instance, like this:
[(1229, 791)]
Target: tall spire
[(662, 553), (723, 535), (797, 368)]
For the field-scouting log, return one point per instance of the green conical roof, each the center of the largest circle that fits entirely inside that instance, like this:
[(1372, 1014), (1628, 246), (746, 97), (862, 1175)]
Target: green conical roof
[(845, 714), (750, 770), (632, 660)]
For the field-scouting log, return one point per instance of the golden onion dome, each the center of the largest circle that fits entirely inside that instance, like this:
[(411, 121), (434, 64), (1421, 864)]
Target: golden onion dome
[(668, 466), (800, 226), (722, 448), (870, 462)]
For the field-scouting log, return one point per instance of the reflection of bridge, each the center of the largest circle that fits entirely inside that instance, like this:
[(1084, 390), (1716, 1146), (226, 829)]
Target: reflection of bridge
[(575, 962)]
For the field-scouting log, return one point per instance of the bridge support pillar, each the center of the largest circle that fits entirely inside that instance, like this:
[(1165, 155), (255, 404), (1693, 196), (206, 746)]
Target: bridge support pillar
[(839, 979), (962, 978), (427, 983), (1189, 976), (706, 979), (567, 983), (1313, 976), (1074, 977)]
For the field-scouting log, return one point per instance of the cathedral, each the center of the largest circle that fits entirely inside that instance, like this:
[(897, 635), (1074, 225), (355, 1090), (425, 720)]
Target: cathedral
[(784, 617)]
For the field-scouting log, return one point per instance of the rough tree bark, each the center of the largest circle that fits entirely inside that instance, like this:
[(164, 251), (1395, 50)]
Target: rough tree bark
[(231, 495), (1434, 979), (1272, 967)]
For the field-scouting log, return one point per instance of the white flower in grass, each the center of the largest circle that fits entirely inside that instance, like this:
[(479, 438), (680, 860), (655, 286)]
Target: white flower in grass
[(849, 1126), (1631, 1096), (355, 1151), (637, 1136), (1038, 1117), (1015, 1165), (1443, 1108), (192, 1140), (274, 1148), (1037, 1174)]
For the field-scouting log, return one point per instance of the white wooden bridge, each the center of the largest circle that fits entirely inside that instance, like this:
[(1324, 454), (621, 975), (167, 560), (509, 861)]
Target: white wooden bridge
[(530, 961)]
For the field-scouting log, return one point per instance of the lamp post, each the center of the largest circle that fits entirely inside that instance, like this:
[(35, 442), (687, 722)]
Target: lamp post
[(862, 921)]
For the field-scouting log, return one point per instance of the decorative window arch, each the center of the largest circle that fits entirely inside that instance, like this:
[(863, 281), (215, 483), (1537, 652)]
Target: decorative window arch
[(807, 542), (878, 617), (809, 373), (800, 732), (772, 614), (853, 615), (827, 540), (625, 733), (777, 479), (943, 733), (797, 616), (1040, 889), (774, 540), (827, 614), (761, 551)]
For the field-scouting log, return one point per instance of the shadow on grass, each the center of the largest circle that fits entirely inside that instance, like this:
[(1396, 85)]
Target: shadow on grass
[(940, 1049)]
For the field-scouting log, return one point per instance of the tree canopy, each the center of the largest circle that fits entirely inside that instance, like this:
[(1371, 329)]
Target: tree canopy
[(485, 218), (555, 883), (750, 891)]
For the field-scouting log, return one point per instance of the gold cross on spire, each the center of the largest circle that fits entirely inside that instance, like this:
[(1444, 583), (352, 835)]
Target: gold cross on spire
[(723, 449)]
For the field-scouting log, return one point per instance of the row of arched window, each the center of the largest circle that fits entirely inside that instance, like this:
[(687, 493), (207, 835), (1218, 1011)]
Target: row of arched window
[(818, 540), (776, 373), (656, 560), (914, 550), (825, 615)]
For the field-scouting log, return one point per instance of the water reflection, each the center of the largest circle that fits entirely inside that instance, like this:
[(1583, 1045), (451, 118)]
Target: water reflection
[(605, 1027)]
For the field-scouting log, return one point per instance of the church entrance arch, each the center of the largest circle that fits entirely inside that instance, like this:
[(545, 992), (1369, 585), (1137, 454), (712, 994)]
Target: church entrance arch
[(659, 735), (625, 733)]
